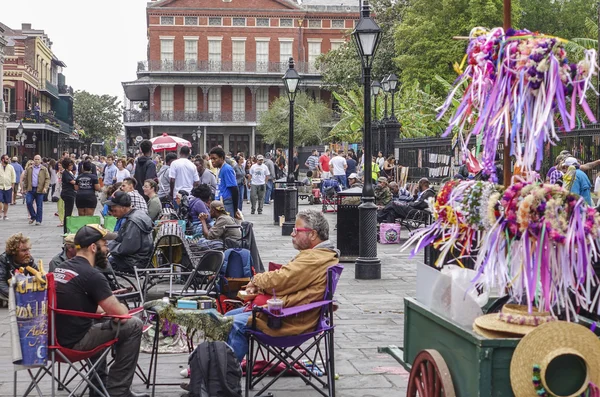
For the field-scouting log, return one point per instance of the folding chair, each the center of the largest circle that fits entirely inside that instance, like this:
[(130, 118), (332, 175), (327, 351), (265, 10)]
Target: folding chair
[(301, 355), (70, 357), (74, 223), (203, 279), (110, 222)]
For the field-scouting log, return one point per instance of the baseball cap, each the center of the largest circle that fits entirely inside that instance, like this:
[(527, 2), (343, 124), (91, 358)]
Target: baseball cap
[(69, 238), (90, 234), (423, 180), (382, 179), (353, 176), (120, 198), (569, 161), (217, 205), (260, 157), (15, 158), (269, 155)]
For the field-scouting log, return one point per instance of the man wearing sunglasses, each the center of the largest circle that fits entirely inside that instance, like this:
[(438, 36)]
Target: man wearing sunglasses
[(301, 281)]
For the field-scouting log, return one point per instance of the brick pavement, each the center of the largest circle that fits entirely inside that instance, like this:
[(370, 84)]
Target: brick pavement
[(370, 314)]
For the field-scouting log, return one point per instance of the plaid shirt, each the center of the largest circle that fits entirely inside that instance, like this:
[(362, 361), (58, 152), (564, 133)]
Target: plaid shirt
[(138, 202), (554, 176)]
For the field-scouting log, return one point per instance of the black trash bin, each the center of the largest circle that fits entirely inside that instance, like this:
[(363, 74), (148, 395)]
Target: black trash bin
[(278, 196), (348, 223)]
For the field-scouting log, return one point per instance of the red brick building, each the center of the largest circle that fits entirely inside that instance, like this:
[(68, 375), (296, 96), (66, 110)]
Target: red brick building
[(214, 65)]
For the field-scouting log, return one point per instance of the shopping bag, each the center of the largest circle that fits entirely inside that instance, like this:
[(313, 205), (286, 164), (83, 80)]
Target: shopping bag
[(389, 233)]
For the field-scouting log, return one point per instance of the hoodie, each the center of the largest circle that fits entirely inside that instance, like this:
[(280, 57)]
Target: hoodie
[(301, 281), (144, 169), (133, 245)]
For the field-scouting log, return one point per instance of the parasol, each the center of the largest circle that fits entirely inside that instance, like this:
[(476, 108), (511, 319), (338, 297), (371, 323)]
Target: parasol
[(167, 142)]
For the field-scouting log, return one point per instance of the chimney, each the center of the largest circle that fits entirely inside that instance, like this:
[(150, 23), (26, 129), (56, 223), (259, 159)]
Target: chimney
[(25, 26)]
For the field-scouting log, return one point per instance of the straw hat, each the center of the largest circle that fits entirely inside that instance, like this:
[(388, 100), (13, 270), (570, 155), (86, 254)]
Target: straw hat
[(563, 357), (494, 334), (513, 319)]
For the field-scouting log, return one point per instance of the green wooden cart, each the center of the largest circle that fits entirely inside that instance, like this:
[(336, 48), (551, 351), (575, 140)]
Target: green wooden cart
[(446, 360)]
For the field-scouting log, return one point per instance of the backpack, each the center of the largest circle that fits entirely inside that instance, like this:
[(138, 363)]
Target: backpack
[(236, 271), (214, 371)]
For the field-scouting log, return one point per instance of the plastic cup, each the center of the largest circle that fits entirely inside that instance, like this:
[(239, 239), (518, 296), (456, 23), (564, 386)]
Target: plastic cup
[(275, 306)]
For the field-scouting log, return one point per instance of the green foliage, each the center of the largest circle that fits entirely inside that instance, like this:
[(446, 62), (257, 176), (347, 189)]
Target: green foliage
[(562, 18), (311, 120), (350, 105), (98, 115)]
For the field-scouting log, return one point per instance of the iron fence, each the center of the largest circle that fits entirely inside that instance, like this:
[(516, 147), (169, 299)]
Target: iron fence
[(140, 116), (192, 66)]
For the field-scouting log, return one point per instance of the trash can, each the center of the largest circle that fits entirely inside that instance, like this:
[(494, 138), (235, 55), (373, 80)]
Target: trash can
[(278, 196), (348, 223)]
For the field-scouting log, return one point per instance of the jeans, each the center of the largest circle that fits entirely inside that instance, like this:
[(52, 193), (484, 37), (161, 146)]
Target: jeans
[(35, 214), (240, 196), (121, 372), (228, 204), (269, 191), (258, 193), (237, 338), (342, 180)]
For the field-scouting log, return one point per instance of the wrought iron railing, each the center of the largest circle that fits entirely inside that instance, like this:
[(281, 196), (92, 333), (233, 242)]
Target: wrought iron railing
[(65, 90), (190, 66), (51, 88), (30, 116), (140, 116)]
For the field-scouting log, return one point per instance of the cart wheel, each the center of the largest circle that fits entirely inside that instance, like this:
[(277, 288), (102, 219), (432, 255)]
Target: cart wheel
[(429, 376)]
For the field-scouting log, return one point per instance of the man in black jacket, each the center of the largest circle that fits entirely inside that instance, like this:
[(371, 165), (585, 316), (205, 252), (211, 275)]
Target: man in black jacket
[(144, 167), (400, 209), (17, 254)]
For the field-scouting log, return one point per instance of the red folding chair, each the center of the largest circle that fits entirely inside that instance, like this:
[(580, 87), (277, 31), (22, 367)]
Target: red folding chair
[(70, 357)]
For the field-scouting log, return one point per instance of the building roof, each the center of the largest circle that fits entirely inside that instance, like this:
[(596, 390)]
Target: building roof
[(330, 5)]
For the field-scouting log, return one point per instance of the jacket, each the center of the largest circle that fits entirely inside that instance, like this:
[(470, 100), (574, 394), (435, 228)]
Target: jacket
[(421, 202), (7, 267), (133, 245), (8, 177), (43, 180), (303, 280), (144, 169), (582, 186)]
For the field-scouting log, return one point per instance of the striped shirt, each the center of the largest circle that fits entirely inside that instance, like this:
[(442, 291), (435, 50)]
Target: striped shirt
[(312, 162)]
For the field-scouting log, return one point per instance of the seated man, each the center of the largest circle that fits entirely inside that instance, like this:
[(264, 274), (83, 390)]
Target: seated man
[(67, 253), (354, 180), (219, 231), (17, 255), (400, 209), (133, 245), (301, 281), (137, 200), (383, 195), (80, 286)]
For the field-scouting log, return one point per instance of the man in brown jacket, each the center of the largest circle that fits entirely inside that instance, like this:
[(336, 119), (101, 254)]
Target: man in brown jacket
[(303, 280), (36, 183)]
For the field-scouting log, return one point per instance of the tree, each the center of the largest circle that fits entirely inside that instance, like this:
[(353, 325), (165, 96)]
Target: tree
[(99, 116), (311, 121), (562, 18)]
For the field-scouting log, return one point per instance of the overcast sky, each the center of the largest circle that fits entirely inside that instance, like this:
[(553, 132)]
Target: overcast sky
[(99, 41)]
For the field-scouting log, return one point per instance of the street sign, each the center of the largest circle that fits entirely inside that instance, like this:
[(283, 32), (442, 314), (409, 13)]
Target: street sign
[(139, 138), (12, 143), (30, 145)]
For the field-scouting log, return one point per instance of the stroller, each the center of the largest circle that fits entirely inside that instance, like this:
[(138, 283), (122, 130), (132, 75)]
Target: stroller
[(329, 190)]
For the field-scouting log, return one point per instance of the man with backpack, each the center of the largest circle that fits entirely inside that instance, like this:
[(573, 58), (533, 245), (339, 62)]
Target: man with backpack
[(144, 166)]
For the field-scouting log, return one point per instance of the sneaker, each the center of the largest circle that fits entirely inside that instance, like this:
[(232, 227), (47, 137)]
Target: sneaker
[(31, 221), (6, 218), (259, 212), (185, 373), (252, 212), (38, 223)]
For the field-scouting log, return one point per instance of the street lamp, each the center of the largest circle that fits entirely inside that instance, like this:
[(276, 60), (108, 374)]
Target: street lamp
[(392, 127), (375, 89), (366, 37), (196, 134), (392, 80), (291, 78)]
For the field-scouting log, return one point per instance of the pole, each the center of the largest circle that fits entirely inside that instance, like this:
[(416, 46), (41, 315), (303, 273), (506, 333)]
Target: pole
[(291, 196), (598, 102), (506, 161), (367, 266)]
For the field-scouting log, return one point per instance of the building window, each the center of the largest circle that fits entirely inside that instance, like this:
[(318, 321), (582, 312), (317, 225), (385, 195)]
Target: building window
[(314, 50), (239, 104), (262, 100), (314, 23), (166, 102), (239, 21), (286, 22), (337, 23), (285, 53), (214, 102), (191, 54), (238, 55), (191, 100), (214, 55), (213, 140), (262, 22), (6, 96), (335, 45), (166, 53), (239, 143), (191, 20), (215, 21), (262, 56), (167, 20)]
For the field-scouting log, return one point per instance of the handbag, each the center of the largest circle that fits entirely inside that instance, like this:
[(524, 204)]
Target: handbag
[(389, 233)]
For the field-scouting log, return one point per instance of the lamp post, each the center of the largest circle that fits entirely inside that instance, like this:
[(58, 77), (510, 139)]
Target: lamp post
[(366, 37), (196, 134), (375, 89), (392, 128), (21, 137), (291, 78), (385, 87)]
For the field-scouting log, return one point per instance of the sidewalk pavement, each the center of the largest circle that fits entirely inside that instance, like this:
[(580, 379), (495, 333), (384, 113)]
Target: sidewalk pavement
[(370, 313)]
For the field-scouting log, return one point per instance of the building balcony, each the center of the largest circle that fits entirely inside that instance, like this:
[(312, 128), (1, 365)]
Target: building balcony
[(49, 88), (145, 116), (182, 66), (65, 90), (43, 120)]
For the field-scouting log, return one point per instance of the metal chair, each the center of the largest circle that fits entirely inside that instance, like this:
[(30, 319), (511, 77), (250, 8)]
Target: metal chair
[(203, 279)]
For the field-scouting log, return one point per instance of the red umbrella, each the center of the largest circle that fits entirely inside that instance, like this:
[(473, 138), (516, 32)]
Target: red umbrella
[(168, 142)]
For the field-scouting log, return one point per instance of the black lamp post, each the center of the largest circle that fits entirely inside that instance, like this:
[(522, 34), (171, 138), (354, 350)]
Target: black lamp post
[(375, 89), (385, 86), (291, 78), (392, 128), (196, 134), (366, 37)]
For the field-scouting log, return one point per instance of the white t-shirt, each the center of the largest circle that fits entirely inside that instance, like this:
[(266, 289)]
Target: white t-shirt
[(122, 174), (337, 165), (259, 174), (185, 174)]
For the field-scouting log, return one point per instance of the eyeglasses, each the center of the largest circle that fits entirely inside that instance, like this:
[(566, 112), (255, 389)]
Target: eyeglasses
[(301, 229)]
